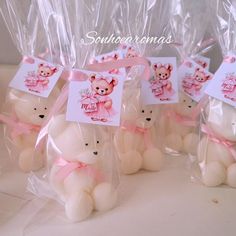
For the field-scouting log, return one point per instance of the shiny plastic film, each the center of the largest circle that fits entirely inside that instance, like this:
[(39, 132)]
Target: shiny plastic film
[(81, 171), (179, 121), (23, 112), (214, 163)]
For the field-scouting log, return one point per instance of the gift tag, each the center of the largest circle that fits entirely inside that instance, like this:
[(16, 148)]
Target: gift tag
[(162, 87), (37, 77), (193, 79), (223, 86), (96, 100), (202, 61), (111, 56)]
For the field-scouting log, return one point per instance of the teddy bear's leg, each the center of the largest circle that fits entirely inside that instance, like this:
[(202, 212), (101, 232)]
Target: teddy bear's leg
[(231, 175), (130, 162), (30, 160), (174, 141), (104, 196), (79, 206), (190, 143), (214, 174), (153, 159)]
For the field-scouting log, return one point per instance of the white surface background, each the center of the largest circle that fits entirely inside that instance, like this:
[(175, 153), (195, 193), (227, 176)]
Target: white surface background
[(165, 203)]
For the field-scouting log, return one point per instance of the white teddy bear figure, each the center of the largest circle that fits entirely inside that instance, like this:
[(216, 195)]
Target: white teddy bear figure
[(136, 139), (29, 110), (217, 148), (178, 126), (86, 186)]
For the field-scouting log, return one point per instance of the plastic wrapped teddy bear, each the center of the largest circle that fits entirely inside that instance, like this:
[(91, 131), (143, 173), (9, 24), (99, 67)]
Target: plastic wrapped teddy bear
[(178, 126), (217, 148), (136, 139), (27, 115), (81, 173)]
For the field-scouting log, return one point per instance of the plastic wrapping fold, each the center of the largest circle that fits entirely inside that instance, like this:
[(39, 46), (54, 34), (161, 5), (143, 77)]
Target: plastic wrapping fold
[(214, 164)]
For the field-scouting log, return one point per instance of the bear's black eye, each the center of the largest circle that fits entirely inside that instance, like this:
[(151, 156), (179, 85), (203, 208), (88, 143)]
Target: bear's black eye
[(166, 74), (106, 89), (97, 141), (42, 71), (142, 111), (45, 108), (97, 88), (35, 109), (86, 144), (151, 112), (160, 74)]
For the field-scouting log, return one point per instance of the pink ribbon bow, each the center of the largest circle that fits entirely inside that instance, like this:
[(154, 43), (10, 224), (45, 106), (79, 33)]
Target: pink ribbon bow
[(135, 129), (67, 167), (184, 120), (18, 127), (215, 138)]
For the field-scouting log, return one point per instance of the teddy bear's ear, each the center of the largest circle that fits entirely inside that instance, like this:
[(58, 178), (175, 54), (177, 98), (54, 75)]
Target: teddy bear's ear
[(116, 56), (54, 69), (15, 95), (155, 66), (169, 67), (114, 81), (92, 77)]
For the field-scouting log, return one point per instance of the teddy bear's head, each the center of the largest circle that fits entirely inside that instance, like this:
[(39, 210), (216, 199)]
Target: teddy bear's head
[(162, 72), (78, 142), (221, 117), (30, 108), (185, 106), (142, 116), (103, 85), (200, 76), (45, 70)]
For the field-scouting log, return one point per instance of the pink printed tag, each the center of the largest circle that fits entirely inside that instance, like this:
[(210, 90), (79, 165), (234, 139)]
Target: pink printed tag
[(202, 61), (36, 77), (162, 87), (111, 56), (96, 100), (193, 79), (223, 86)]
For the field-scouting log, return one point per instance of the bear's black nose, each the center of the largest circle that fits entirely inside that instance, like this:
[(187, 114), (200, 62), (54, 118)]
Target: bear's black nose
[(148, 119), (41, 116), (189, 106), (102, 91), (95, 153)]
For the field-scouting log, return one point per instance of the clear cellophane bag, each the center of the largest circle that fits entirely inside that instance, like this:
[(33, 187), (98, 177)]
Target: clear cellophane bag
[(81, 171), (214, 163), (179, 122)]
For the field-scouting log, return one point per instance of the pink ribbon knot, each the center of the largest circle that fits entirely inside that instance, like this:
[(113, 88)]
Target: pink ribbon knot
[(184, 120), (17, 127), (67, 167), (135, 129), (216, 139)]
